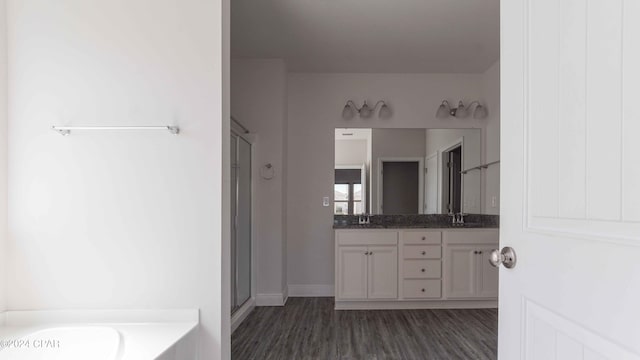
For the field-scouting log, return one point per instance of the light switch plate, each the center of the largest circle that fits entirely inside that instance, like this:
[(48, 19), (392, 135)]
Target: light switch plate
[(325, 201)]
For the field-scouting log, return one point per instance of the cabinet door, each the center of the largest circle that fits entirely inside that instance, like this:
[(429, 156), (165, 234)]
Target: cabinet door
[(460, 271), (383, 272), (352, 272), (487, 286)]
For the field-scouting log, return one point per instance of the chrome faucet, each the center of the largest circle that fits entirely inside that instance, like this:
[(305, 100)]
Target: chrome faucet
[(364, 219), (457, 219), (461, 218)]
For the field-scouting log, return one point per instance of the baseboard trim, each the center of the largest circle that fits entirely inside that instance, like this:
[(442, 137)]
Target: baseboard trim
[(270, 300), (311, 290), (238, 317), (408, 305)]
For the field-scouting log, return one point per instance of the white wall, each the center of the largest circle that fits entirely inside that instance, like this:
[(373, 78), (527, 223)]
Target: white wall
[(3, 152), (436, 139), (491, 95), (122, 219), (315, 107), (351, 152), (258, 101)]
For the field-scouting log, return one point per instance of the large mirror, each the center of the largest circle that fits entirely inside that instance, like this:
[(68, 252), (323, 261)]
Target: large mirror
[(407, 171)]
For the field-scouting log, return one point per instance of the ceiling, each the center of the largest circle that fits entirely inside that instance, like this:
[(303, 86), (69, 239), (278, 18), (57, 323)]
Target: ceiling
[(369, 36)]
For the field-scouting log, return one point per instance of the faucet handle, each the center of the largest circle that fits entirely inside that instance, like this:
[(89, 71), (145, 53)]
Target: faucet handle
[(462, 215)]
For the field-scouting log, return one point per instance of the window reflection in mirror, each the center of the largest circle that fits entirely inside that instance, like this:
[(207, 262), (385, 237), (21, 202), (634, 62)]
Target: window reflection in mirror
[(348, 190)]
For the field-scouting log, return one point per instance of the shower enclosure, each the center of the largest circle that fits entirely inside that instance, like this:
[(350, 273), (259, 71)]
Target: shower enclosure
[(240, 220)]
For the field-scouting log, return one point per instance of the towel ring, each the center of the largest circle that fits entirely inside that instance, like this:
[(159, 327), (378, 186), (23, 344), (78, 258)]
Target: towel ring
[(267, 171)]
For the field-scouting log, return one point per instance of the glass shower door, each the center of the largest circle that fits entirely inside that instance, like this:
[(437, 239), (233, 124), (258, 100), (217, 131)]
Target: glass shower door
[(241, 221)]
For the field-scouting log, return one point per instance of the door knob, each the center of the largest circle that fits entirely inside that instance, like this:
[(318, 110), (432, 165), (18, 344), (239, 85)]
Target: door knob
[(506, 257)]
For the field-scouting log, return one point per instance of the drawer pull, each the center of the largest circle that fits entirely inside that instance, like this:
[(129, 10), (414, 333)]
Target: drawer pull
[(424, 253), (423, 270), (423, 290), (424, 238)]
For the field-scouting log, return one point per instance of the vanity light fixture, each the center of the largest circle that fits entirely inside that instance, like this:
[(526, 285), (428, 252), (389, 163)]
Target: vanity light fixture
[(365, 112), (445, 110)]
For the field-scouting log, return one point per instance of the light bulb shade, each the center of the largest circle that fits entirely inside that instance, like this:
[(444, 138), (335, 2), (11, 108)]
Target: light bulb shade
[(461, 112), (443, 111), (348, 113), (385, 112), (365, 111), (480, 112)]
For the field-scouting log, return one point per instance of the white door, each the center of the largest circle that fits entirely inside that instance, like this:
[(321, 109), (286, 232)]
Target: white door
[(383, 272), (570, 204), (431, 185), (352, 272)]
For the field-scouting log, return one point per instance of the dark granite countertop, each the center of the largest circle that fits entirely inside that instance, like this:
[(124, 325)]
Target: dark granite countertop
[(472, 221), (421, 226)]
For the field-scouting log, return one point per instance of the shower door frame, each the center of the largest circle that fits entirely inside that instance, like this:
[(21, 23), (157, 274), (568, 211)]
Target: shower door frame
[(250, 302)]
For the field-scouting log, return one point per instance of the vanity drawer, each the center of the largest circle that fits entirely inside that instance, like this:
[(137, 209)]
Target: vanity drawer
[(422, 269), (422, 251), (421, 289), (422, 237), (366, 238)]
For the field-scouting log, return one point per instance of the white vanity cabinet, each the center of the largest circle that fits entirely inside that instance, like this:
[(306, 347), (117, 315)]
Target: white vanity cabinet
[(468, 273), (366, 265), (421, 264), (382, 272), (415, 268), (352, 268)]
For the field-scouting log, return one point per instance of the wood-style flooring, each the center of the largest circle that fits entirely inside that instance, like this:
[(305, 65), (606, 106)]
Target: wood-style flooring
[(309, 328)]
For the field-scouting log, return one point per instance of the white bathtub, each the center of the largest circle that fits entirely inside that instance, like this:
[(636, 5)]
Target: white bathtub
[(66, 343), (98, 335)]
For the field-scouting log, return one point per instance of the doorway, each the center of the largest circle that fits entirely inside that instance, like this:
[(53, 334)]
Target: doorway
[(350, 88), (452, 180), (400, 186)]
